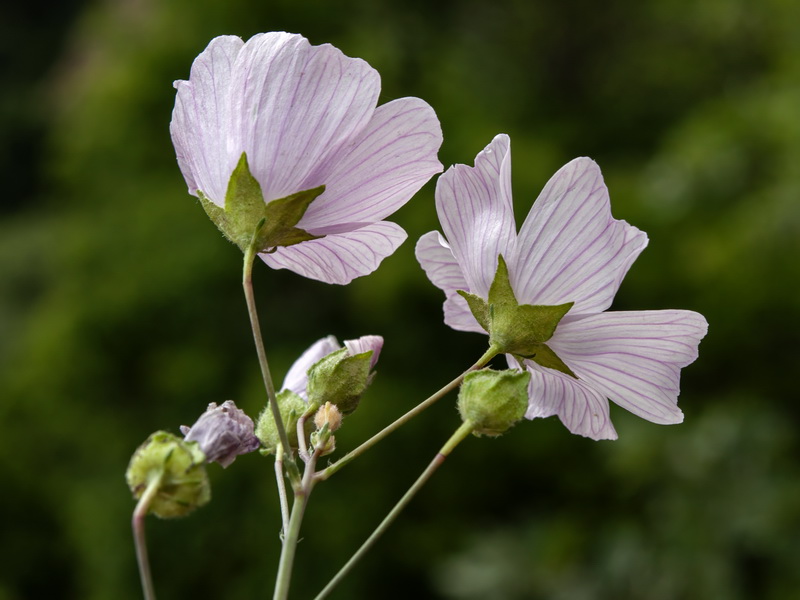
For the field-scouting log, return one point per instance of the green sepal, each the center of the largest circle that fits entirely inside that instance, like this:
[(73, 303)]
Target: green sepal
[(493, 400), (247, 215), (514, 328), (545, 357), (181, 465), (291, 407), (340, 379), (479, 308)]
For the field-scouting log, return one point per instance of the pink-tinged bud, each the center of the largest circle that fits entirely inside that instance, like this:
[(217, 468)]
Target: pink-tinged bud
[(223, 433)]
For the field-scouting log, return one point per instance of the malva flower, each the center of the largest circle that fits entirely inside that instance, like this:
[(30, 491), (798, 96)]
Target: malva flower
[(286, 117), (566, 263)]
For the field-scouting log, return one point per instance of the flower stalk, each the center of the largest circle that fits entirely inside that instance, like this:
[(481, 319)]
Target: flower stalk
[(328, 471), (137, 522), (461, 433), (292, 530), (247, 284)]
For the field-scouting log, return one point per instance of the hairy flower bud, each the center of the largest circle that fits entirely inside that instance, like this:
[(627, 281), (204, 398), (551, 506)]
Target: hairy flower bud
[(223, 432), (342, 377), (493, 400), (328, 415), (180, 466), (291, 407)]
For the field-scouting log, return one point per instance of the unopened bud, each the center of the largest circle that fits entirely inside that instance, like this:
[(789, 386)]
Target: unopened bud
[(328, 414), (291, 407), (180, 465), (493, 400)]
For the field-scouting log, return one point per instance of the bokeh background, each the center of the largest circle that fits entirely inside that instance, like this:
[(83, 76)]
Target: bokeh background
[(121, 310)]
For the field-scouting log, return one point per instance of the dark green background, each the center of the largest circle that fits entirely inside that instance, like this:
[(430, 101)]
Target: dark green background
[(121, 310)]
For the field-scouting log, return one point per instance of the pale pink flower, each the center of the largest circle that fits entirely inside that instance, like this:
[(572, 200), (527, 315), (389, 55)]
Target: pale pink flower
[(569, 249), (306, 116)]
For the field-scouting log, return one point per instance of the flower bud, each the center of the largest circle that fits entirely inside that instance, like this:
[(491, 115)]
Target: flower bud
[(291, 407), (223, 432), (328, 415), (343, 376), (181, 467), (493, 400)]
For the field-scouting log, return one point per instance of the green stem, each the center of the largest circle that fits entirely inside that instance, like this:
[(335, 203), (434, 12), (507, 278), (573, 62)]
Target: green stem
[(284, 502), (482, 361), (292, 532), (247, 284), (137, 522), (462, 432)]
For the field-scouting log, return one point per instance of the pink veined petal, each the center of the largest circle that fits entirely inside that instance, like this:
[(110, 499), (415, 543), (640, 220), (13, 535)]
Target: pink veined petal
[(297, 376), (364, 344), (570, 248), (458, 315), (381, 169), (340, 257), (633, 358), (295, 105), (437, 260), (582, 410), (200, 126), (477, 214), (434, 255)]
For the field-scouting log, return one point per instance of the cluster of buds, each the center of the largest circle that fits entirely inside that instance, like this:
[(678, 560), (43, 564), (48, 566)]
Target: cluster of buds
[(179, 465), (326, 381)]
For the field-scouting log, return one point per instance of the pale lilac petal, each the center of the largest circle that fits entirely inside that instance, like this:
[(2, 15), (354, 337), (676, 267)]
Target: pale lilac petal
[(437, 260), (364, 344), (296, 104), (476, 212), (633, 358), (383, 167), (200, 125), (570, 248), (458, 315), (582, 410), (297, 377), (340, 258)]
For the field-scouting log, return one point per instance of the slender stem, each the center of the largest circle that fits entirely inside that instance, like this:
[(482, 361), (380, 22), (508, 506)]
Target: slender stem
[(247, 284), (328, 471), (284, 501), (462, 432), (292, 532), (302, 446), (137, 523)]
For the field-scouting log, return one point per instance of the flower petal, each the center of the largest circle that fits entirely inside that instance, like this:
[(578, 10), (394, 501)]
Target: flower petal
[(582, 410), (476, 212), (633, 358), (341, 257), (364, 344), (434, 255), (296, 105), (297, 376), (458, 315), (382, 168), (570, 248), (437, 260), (200, 125)]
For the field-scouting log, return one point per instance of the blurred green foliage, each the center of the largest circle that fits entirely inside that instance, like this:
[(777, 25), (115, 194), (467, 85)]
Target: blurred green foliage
[(121, 311)]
